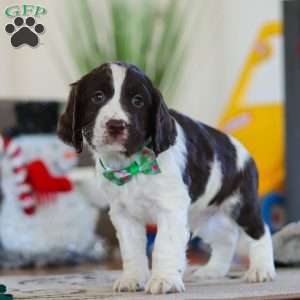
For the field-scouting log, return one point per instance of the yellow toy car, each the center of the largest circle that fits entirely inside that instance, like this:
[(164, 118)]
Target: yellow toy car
[(260, 127)]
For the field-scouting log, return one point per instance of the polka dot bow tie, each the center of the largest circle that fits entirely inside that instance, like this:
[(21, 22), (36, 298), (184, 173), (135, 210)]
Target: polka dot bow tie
[(145, 162)]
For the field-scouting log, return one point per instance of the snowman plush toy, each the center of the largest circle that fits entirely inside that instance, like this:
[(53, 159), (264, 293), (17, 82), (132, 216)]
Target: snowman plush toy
[(44, 219)]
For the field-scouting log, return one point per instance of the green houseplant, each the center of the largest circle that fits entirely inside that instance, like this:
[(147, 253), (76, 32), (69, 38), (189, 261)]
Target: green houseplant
[(146, 33)]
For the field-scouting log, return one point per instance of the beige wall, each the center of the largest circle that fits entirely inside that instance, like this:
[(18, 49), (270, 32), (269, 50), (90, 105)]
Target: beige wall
[(224, 39), (222, 36)]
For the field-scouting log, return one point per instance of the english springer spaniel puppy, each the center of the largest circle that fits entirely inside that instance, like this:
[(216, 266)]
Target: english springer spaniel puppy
[(156, 165)]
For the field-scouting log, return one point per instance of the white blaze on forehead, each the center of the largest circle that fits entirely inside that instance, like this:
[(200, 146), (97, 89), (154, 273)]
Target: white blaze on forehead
[(113, 108), (118, 76)]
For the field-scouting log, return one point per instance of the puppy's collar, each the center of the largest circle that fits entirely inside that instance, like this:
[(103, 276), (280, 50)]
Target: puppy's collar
[(145, 162)]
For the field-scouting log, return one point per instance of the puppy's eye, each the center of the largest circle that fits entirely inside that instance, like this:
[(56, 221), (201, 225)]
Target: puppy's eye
[(137, 101), (98, 97)]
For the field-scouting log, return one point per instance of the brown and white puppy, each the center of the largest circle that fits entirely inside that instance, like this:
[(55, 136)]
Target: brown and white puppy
[(208, 183)]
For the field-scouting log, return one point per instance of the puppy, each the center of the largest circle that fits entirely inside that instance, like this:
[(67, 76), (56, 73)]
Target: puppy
[(205, 181)]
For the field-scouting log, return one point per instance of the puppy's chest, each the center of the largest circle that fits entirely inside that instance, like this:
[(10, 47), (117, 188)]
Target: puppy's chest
[(137, 196)]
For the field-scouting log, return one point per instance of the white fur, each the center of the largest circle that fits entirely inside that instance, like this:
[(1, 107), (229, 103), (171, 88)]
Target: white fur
[(261, 259), (112, 110), (229, 204), (136, 204), (221, 233), (213, 185), (135, 264), (217, 229), (163, 199), (242, 153)]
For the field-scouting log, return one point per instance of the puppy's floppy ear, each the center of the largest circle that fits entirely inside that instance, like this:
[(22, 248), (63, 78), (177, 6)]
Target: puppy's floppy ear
[(69, 129), (164, 130)]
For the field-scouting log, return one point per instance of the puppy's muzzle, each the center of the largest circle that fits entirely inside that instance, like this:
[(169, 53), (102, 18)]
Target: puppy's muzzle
[(116, 127)]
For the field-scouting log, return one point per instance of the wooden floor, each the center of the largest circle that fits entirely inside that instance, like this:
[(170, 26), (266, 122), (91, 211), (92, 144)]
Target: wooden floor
[(91, 283)]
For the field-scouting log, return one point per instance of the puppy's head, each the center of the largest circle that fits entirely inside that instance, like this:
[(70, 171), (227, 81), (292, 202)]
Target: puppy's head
[(116, 108)]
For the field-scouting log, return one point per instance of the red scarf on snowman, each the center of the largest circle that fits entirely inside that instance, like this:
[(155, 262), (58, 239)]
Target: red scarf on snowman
[(42, 185)]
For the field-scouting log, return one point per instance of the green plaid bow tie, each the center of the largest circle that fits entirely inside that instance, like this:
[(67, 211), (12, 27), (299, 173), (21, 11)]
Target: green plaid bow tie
[(145, 163)]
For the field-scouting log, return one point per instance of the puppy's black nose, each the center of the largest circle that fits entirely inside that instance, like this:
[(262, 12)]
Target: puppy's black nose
[(115, 126)]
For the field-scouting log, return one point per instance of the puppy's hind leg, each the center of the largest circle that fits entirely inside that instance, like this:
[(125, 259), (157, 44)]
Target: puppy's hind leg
[(222, 234), (261, 266)]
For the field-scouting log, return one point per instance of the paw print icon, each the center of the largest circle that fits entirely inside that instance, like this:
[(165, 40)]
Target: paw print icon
[(24, 32)]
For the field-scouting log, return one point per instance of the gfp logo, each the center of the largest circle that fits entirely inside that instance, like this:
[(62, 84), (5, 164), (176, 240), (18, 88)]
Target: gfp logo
[(24, 29)]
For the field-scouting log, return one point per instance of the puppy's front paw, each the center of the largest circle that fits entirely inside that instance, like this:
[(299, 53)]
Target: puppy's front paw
[(128, 283), (260, 274), (163, 284)]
